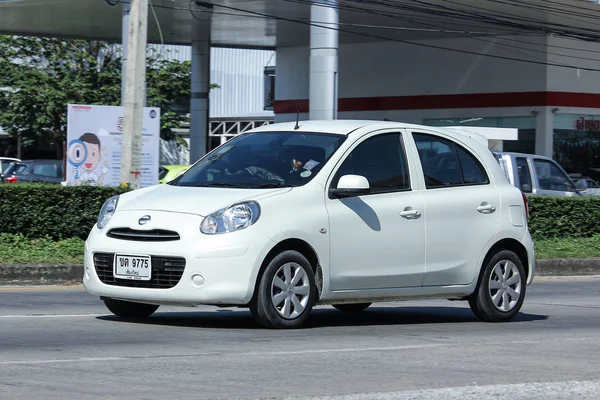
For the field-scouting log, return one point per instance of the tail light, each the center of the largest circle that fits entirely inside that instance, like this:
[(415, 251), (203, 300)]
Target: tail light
[(11, 179), (526, 205)]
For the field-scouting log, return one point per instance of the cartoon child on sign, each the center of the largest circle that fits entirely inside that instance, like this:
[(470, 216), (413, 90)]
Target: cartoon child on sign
[(85, 156)]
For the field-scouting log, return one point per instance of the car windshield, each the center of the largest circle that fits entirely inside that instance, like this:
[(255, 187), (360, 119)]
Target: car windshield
[(15, 168), (264, 160), (162, 172)]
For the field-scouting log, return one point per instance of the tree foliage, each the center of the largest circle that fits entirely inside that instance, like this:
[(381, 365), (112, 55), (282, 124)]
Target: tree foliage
[(40, 76)]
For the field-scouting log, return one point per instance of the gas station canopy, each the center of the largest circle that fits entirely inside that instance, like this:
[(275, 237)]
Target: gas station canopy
[(276, 23)]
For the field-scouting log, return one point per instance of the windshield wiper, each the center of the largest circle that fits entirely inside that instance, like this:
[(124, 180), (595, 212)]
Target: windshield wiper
[(275, 185), (221, 184)]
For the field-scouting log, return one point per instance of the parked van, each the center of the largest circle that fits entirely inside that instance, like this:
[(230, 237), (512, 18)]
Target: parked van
[(535, 174)]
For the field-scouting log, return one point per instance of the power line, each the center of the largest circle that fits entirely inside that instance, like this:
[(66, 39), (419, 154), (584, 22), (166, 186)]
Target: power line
[(408, 42)]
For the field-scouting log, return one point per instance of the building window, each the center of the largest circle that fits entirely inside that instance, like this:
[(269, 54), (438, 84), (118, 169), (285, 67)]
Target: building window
[(269, 87)]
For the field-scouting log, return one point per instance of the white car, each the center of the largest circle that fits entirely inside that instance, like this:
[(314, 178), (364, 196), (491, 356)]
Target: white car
[(345, 213)]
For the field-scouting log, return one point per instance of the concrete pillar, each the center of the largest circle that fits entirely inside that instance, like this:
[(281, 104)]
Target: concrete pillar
[(124, 47), (199, 104), (544, 132), (323, 95)]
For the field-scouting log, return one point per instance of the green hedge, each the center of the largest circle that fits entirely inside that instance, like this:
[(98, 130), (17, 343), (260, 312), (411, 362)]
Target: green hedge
[(561, 217), (38, 210)]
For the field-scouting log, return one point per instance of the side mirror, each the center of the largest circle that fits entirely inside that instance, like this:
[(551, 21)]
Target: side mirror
[(526, 188), (581, 185), (350, 186)]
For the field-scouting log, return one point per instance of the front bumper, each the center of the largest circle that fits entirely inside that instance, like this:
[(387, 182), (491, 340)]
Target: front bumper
[(219, 269)]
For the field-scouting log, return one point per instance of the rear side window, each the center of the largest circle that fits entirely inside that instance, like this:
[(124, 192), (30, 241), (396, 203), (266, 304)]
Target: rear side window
[(524, 175), (49, 170), (447, 164)]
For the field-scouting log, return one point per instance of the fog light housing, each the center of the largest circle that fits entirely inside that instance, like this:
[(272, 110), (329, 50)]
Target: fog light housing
[(198, 280)]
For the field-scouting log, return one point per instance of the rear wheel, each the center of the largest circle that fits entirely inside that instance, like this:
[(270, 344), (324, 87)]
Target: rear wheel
[(286, 292), (501, 289), (128, 309), (358, 307)]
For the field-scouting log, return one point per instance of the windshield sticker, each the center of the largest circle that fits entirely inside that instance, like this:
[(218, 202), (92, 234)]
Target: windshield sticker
[(295, 165), (310, 164), (305, 174)]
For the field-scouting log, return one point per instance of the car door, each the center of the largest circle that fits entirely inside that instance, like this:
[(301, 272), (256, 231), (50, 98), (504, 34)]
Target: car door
[(461, 209), (377, 240), (551, 178)]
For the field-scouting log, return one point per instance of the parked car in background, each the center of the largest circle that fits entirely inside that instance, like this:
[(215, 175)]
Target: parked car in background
[(535, 174), (38, 171), (167, 173), (593, 187), (344, 213)]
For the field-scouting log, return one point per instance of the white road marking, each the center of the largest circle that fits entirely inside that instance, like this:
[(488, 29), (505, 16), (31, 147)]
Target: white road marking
[(65, 360), (52, 315), (517, 391)]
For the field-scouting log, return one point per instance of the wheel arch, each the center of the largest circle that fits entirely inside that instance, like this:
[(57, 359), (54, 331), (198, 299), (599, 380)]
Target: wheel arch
[(509, 244), (302, 247)]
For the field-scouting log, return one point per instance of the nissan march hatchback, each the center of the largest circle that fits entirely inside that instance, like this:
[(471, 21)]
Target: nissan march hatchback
[(346, 213)]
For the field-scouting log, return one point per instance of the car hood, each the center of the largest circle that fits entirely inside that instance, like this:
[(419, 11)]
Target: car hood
[(190, 200)]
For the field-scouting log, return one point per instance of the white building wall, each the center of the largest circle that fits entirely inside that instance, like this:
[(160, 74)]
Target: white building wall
[(238, 72), (573, 52), (396, 69)]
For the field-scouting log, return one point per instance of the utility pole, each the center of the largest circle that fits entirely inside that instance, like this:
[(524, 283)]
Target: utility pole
[(135, 82), (124, 44)]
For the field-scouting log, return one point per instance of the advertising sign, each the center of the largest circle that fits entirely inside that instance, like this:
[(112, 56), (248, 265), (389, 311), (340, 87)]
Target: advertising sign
[(94, 135)]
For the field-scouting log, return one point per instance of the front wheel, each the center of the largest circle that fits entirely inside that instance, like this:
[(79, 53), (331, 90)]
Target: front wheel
[(286, 292), (128, 309), (501, 289)]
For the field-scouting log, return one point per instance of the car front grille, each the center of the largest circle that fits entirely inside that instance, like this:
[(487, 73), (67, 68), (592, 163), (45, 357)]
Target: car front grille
[(166, 272), (155, 235)]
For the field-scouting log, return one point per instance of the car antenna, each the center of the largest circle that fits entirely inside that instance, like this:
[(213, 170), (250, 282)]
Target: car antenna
[(297, 119)]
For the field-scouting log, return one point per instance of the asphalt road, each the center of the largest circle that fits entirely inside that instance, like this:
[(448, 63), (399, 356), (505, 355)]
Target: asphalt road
[(61, 343)]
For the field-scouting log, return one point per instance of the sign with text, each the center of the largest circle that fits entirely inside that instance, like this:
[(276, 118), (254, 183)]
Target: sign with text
[(588, 124), (94, 135)]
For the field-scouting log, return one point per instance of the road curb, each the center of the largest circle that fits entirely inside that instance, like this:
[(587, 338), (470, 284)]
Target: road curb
[(40, 274), (568, 267), (59, 274)]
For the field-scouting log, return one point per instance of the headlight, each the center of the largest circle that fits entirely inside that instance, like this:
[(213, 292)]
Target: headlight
[(229, 219), (107, 211)]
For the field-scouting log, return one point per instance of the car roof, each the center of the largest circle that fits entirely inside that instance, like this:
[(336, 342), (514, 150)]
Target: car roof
[(529, 155), (346, 127), (39, 161)]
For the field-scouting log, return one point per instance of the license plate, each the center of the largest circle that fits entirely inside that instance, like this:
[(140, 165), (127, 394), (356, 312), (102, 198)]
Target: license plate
[(132, 267)]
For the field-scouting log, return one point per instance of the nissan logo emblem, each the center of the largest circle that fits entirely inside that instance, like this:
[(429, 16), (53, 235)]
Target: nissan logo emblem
[(144, 220)]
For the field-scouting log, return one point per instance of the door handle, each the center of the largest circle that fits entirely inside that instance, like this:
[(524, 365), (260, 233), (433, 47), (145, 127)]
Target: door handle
[(410, 214), (485, 208)]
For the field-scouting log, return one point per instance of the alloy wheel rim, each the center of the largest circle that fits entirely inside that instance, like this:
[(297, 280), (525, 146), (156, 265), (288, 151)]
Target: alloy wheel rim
[(505, 286), (290, 290)]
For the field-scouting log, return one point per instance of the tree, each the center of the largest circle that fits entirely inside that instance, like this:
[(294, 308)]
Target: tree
[(40, 76)]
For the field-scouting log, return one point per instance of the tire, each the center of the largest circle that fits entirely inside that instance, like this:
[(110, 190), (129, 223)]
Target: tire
[(353, 308), (280, 302), (501, 288), (130, 310)]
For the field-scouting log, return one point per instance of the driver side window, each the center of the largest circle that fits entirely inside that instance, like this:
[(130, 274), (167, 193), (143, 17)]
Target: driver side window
[(382, 160)]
